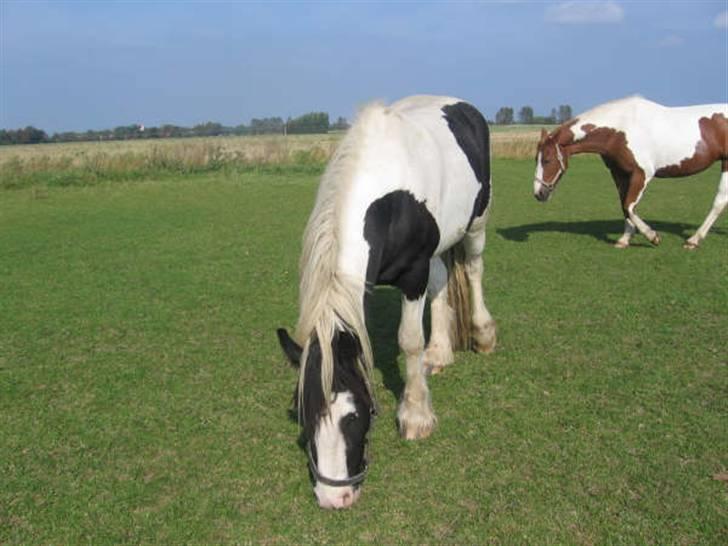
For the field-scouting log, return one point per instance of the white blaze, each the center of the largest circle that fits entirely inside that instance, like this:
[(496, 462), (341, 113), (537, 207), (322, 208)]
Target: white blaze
[(539, 175), (331, 451)]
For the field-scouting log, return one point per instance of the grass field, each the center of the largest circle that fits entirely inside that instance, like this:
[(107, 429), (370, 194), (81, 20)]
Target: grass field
[(143, 396)]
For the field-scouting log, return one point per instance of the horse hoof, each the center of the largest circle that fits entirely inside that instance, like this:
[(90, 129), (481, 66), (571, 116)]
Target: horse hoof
[(416, 432), (656, 240), (621, 244), (436, 358), (690, 245), (416, 424), (484, 338)]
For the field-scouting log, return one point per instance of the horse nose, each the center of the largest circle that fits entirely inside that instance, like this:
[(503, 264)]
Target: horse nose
[(333, 499), (540, 192)]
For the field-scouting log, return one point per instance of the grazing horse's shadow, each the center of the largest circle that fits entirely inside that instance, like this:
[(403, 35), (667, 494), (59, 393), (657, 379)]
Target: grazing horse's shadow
[(383, 323), (599, 229)]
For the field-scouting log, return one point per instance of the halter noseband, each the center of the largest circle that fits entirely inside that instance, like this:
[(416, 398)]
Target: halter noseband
[(356, 479)]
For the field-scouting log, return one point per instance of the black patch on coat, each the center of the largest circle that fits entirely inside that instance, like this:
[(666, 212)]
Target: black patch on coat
[(402, 237), (471, 133)]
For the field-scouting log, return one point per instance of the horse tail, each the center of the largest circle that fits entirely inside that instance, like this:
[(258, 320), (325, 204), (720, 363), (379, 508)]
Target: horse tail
[(459, 298)]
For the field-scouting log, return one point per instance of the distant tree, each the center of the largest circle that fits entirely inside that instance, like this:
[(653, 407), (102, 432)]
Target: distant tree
[(340, 124), (266, 126), (152, 132), (504, 116), (313, 122), (564, 113), (208, 129), (28, 135), (525, 115), (126, 132)]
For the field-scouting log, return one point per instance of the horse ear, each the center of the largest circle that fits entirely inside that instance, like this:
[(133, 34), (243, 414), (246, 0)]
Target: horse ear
[(544, 135), (292, 349)]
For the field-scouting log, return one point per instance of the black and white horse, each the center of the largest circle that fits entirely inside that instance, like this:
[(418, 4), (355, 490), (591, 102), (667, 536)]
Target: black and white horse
[(403, 202)]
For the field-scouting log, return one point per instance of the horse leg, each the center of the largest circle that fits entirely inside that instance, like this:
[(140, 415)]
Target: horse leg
[(415, 415), (719, 205), (484, 334), (629, 229), (622, 181), (439, 349), (637, 184)]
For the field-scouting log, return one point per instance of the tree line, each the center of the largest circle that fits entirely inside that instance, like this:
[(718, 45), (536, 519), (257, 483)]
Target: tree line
[(311, 123), (559, 115)]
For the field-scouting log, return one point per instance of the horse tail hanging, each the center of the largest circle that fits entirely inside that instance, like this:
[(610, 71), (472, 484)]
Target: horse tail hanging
[(459, 298)]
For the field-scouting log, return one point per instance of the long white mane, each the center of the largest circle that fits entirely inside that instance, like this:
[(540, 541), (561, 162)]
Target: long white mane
[(330, 301)]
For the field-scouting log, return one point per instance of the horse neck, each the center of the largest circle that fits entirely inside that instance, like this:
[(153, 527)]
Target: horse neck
[(591, 143)]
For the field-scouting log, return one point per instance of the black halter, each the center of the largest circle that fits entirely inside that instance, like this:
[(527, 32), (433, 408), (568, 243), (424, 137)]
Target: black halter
[(356, 479)]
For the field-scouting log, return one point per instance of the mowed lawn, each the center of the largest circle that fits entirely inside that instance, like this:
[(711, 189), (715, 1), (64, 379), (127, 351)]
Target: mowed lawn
[(143, 396)]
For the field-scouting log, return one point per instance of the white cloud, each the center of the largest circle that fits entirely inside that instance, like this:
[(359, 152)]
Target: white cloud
[(721, 20), (585, 12)]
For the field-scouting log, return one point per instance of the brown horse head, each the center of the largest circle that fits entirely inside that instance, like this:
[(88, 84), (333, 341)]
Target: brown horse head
[(551, 163)]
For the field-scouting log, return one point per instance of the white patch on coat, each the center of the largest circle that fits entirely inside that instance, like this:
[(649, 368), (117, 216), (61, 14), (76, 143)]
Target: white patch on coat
[(658, 136), (407, 146), (331, 451)]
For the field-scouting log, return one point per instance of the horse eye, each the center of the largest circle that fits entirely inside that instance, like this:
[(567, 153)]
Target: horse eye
[(351, 417)]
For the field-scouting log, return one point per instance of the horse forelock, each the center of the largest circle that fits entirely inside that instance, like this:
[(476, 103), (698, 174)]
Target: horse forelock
[(312, 401)]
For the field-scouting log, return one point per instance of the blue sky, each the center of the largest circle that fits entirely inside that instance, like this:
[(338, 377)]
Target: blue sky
[(93, 65)]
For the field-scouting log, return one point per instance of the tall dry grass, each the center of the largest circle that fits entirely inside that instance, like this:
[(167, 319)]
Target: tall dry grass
[(93, 162)]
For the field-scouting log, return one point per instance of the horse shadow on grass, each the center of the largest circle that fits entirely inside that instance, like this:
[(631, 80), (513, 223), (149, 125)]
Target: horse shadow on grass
[(606, 231), (383, 323)]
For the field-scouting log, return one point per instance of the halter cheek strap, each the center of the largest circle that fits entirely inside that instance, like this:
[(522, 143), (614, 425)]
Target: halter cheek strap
[(562, 168), (560, 157)]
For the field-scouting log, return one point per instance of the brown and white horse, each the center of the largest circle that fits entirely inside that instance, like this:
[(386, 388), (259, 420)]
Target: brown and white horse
[(638, 140)]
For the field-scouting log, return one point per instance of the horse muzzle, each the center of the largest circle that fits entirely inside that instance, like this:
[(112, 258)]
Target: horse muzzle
[(336, 498), (542, 191)]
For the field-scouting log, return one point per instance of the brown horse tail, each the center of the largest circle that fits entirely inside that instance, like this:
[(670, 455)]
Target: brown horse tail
[(458, 297)]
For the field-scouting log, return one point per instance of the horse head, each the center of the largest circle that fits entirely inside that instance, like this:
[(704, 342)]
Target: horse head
[(551, 163), (335, 430)]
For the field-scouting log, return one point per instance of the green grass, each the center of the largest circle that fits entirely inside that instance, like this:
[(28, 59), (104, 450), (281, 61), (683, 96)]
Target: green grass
[(143, 397)]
